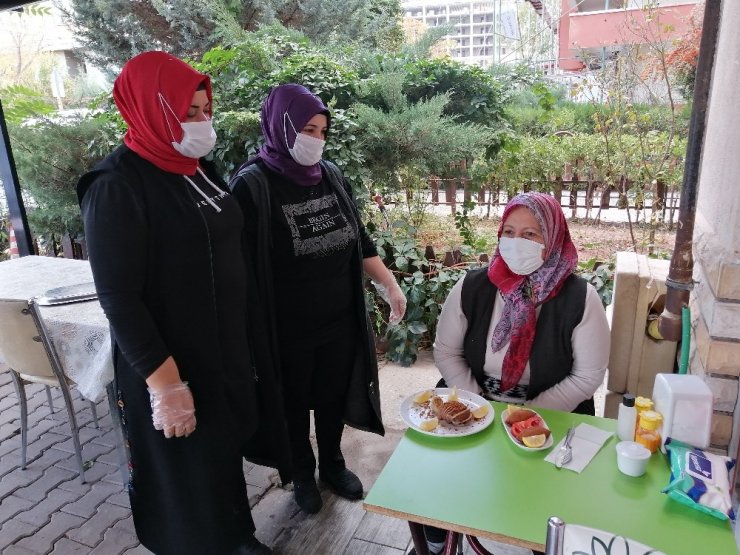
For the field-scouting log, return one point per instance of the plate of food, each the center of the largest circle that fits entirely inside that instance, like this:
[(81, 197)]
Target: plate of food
[(447, 412), (526, 428)]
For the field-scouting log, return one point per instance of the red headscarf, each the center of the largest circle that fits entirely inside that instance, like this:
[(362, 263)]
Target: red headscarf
[(522, 294), (151, 126)]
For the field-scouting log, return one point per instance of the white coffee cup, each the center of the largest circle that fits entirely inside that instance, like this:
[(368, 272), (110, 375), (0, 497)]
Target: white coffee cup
[(632, 458)]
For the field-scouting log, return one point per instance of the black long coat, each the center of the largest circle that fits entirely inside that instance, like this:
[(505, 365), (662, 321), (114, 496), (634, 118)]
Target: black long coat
[(251, 188), (150, 251)]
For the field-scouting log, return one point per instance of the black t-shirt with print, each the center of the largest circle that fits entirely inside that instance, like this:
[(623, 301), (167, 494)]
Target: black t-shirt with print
[(313, 248)]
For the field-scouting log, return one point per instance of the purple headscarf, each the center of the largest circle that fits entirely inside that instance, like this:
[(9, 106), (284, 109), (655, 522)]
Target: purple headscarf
[(286, 104)]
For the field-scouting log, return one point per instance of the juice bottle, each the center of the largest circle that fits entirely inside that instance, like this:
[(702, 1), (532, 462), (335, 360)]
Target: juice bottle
[(647, 430), (641, 404)]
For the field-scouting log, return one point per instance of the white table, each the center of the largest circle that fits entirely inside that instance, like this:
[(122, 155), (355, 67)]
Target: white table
[(79, 331)]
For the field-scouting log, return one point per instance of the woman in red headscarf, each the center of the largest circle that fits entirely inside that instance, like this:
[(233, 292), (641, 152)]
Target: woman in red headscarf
[(525, 329), (164, 238)]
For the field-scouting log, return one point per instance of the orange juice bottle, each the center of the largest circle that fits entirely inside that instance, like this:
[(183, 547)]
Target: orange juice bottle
[(641, 404), (647, 430)]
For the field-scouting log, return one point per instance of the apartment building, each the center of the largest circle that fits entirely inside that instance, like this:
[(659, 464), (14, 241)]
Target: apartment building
[(488, 32)]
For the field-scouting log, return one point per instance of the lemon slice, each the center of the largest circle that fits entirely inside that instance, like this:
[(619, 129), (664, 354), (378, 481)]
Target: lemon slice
[(423, 397), (429, 425), (480, 412), (534, 441), (453, 396)]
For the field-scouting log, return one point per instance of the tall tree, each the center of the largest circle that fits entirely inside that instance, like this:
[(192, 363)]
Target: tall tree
[(115, 30)]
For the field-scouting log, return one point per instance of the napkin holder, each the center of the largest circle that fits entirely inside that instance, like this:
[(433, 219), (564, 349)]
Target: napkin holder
[(686, 403)]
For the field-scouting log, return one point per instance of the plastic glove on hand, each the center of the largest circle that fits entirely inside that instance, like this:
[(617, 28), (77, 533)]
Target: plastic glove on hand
[(173, 410), (393, 295), (398, 305)]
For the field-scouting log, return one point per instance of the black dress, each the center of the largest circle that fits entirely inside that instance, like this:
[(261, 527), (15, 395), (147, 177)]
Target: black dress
[(169, 275)]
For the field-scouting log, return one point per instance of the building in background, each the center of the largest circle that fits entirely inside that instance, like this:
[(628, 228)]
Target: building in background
[(593, 31), (38, 49), (491, 32)]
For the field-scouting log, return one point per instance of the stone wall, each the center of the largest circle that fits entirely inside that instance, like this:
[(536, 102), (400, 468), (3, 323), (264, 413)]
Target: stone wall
[(715, 301)]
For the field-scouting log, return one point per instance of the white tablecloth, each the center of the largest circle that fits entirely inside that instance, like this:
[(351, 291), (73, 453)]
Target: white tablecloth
[(79, 331)]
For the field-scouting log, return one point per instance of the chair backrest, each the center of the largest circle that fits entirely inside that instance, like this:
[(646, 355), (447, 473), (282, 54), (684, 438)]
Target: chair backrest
[(571, 539), (21, 346)]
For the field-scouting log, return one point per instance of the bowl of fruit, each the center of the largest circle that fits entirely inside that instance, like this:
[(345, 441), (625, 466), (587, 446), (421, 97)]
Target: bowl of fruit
[(526, 428)]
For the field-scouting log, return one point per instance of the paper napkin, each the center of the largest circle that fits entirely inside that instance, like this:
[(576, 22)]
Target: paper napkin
[(586, 442)]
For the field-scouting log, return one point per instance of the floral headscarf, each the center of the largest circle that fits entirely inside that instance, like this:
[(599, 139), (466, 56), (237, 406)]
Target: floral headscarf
[(523, 294)]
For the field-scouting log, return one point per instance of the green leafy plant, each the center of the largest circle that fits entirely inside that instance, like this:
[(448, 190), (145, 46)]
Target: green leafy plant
[(601, 276), (426, 284)]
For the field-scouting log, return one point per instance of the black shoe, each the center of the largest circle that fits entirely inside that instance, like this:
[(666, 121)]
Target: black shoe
[(343, 482), (252, 547), (307, 495)]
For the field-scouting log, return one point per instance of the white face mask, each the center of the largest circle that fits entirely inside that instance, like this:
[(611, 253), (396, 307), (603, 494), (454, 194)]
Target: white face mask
[(522, 256), (306, 150), (198, 137)]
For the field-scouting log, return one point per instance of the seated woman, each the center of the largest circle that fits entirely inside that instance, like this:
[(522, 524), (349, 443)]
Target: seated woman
[(525, 329)]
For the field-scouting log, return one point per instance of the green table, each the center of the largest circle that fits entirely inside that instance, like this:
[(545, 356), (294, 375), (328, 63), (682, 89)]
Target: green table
[(483, 485)]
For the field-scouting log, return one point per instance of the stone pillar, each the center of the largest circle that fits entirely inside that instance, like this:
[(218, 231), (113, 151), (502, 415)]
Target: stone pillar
[(715, 302)]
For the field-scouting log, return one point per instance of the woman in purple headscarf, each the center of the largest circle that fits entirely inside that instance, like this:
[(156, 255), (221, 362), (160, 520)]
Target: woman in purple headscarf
[(308, 248)]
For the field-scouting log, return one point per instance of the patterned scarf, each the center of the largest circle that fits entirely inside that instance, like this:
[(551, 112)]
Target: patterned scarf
[(523, 294)]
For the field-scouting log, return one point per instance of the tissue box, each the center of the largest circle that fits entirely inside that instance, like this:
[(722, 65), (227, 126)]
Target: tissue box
[(686, 403)]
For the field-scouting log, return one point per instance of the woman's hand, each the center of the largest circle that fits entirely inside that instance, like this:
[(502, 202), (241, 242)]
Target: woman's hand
[(173, 410), (397, 301), (387, 287)]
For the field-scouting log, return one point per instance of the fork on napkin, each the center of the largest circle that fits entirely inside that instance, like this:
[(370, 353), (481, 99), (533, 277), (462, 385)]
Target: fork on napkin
[(585, 443)]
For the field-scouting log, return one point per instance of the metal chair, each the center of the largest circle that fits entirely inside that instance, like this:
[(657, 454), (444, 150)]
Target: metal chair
[(31, 358), (569, 539)]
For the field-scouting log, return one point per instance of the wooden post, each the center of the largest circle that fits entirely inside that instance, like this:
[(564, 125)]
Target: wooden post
[(451, 192), (434, 186)]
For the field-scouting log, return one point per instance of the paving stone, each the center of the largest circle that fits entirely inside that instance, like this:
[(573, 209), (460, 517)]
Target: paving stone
[(262, 477), (11, 506), (10, 430), (40, 514), (90, 450), (94, 472), (117, 539), (10, 462), (51, 478), (14, 481), (45, 459), (121, 499), (37, 444), (10, 414), (88, 504), (65, 546), (111, 457), (12, 531), (109, 437), (9, 401), (138, 550), (43, 539), (92, 532), (18, 550), (389, 531), (362, 547)]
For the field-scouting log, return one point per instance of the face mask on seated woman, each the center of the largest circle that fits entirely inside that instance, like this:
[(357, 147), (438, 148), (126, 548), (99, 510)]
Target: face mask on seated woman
[(522, 256)]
